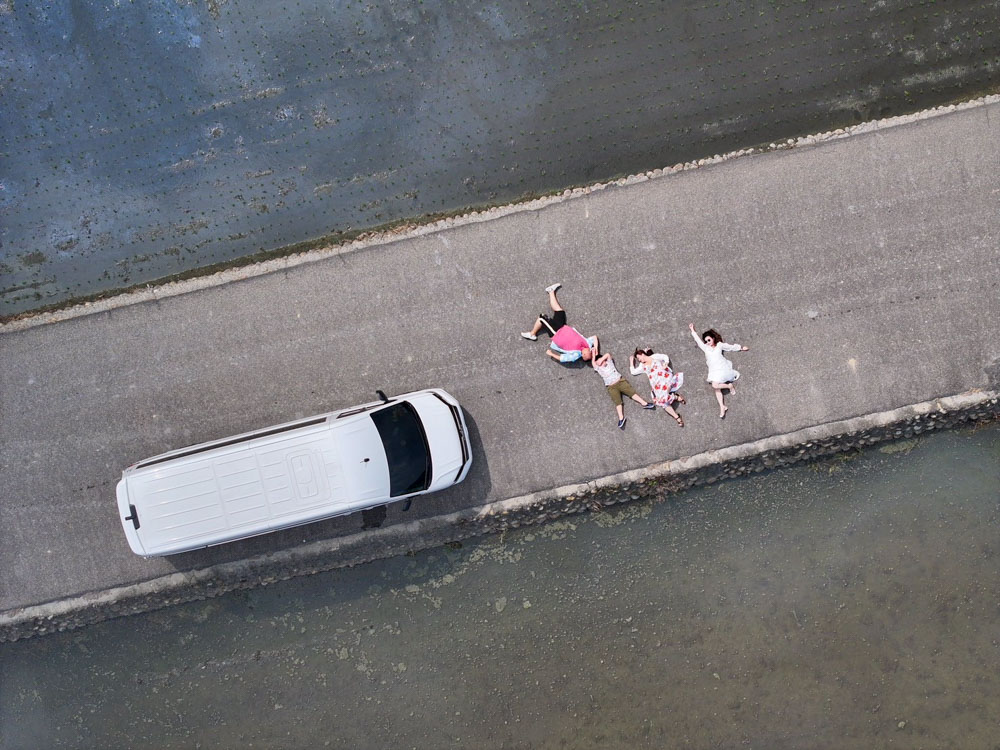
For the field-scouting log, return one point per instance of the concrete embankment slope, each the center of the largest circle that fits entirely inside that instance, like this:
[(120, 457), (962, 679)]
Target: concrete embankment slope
[(862, 271)]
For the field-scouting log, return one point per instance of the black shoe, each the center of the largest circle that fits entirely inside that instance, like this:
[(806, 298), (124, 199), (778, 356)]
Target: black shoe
[(621, 423), (649, 406)]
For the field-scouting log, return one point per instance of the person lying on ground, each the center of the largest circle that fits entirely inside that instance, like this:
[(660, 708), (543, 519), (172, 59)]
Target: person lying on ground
[(568, 344), (721, 373), (664, 382), (617, 386)]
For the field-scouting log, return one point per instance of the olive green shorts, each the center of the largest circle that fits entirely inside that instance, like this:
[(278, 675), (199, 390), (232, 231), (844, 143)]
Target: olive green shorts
[(619, 389)]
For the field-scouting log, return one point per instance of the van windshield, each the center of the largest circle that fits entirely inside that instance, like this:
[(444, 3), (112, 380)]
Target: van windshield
[(406, 448)]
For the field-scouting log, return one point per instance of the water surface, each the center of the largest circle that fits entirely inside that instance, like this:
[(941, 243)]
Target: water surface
[(144, 139), (851, 603)]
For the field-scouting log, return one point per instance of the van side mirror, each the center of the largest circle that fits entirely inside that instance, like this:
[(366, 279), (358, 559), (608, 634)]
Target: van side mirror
[(381, 395)]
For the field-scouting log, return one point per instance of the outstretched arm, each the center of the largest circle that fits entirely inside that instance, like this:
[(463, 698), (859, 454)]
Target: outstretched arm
[(697, 339), (734, 347)]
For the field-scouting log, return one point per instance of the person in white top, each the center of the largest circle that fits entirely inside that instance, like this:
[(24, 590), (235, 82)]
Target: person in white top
[(721, 373), (617, 386)]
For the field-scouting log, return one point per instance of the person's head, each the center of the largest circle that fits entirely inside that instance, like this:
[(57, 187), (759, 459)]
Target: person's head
[(642, 354), (711, 337), (586, 353)]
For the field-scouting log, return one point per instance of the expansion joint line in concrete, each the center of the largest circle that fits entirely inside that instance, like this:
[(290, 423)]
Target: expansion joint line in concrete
[(653, 483)]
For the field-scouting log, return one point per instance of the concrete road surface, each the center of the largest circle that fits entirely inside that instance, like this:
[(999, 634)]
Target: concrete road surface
[(862, 272)]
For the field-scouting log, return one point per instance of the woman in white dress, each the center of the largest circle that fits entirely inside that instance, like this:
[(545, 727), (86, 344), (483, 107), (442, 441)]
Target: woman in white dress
[(663, 382), (721, 373)]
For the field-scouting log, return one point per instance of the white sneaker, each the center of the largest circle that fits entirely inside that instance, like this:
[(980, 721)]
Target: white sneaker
[(552, 287), (530, 337)]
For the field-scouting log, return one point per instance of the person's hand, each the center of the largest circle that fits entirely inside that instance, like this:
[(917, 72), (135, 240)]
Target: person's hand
[(745, 349), (691, 326)]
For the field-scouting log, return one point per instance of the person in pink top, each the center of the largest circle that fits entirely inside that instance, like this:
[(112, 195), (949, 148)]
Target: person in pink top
[(568, 344)]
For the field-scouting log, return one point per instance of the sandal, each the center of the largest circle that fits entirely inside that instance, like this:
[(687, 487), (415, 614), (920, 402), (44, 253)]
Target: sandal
[(680, 420), (680, 398)]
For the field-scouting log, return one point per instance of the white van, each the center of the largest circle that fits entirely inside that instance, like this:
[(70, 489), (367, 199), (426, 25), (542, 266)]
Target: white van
[(294, 473)]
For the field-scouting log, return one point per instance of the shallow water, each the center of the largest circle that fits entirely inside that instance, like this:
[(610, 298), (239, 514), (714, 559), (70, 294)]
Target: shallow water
[(849, 603), (144, 139)]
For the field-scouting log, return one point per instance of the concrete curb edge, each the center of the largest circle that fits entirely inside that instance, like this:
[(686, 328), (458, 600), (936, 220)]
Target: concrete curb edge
[(656, 482)]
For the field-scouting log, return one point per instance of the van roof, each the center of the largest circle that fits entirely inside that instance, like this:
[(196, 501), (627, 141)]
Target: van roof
[(237, 490)]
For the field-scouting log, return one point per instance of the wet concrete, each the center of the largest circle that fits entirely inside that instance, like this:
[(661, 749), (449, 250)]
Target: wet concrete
[(142, 140), (850, 603)]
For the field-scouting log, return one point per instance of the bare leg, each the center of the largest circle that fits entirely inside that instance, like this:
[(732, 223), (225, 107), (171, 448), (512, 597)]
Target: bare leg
[(554, 302), (718, 397), (640, 400), (621, 411), (670, 410), (537, 327)]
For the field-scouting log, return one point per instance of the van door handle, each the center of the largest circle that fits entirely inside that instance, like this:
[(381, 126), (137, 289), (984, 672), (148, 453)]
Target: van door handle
[(134, 518)]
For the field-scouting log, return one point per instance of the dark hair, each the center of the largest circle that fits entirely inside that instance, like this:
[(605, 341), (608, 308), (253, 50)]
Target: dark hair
[(716, 336), (639, 350)]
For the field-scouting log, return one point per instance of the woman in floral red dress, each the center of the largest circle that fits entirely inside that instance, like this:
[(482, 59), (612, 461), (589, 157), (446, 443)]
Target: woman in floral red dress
[(663, 381)]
